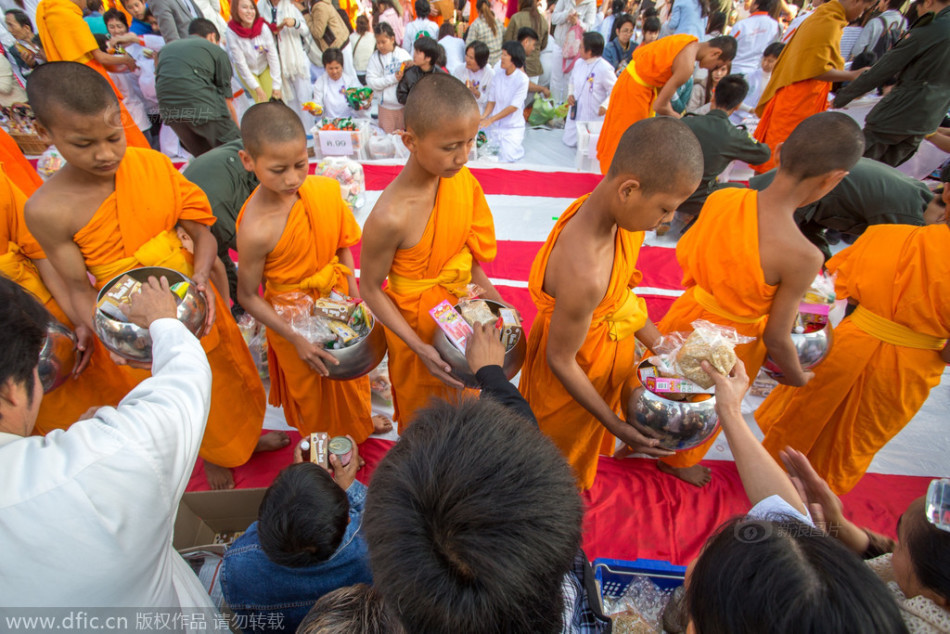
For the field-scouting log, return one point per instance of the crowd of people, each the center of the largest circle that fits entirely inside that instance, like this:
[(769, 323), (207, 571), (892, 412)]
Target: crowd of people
[(472, 522)]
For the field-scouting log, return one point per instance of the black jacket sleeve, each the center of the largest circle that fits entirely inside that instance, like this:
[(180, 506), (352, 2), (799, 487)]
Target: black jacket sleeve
[(491, 379)]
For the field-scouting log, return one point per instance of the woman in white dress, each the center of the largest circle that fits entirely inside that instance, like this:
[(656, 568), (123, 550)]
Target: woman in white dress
[(504, 112)]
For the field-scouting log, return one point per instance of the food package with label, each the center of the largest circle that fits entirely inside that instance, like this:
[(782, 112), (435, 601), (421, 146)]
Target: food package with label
[(456, 329), (119, 295), (680, 355)]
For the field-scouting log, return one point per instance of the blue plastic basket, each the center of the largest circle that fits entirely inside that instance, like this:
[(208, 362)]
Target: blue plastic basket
[(614, 575)]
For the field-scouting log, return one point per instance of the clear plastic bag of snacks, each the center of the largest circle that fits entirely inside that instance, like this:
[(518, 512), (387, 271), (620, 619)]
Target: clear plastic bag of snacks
[(680, 354), (349, 174)]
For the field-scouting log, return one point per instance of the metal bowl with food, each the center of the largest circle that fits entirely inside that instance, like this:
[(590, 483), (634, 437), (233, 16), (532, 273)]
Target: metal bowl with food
[(812, 348), (132, 342), (360, 358), (58, 355), (514, 356), (678, 424)]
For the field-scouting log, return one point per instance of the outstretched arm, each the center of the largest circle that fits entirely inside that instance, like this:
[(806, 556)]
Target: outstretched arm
[(682, 71)]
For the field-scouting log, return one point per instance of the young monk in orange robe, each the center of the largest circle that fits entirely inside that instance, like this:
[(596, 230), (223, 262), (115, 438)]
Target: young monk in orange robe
[(295, 233), (67, 38), (96, 381), (887, 355), (110, 210), (17, 168), (810, 62), (746, 265), (427, 233), (582, 346), (650, 81)]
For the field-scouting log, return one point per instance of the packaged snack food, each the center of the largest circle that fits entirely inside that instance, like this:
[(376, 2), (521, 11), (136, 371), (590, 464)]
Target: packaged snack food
[(342, 332), (510, 325), (315, 448), (455, 328), (332, 309), (477, 312), (816, 304), (117, 296), (680, 356)]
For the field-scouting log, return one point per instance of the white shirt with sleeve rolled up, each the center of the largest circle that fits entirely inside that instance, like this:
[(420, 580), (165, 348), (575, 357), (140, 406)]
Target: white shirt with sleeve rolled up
[(87, 514)]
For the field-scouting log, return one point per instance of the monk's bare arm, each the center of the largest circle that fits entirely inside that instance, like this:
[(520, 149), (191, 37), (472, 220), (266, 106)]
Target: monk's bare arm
[(382, 236), (58, 289), (570, 322), (480, 278), (345, 256), (797, 274), (50, 226), (649, 335), (682, 71), (206, 252), (254, 241)]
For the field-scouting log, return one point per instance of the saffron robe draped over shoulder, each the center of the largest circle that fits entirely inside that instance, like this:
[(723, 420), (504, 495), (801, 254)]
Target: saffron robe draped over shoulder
[(135, 227), (885, 358), (793, 94), (19, 170), (637, 87), (304, 260), (607, 356), (437, 268), (66, 38), (725, 283), (102, 382)]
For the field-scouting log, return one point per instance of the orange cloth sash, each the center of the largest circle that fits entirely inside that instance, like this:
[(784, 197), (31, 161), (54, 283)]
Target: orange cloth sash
[(725, 283), (884, 361), (460, 219), (305, 259), (135, 226), (607, 355)]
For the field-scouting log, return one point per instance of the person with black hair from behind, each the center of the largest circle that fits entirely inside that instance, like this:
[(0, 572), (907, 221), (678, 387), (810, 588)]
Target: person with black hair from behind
[(306, 542), (473, 520), (428, 57), (722, 142)]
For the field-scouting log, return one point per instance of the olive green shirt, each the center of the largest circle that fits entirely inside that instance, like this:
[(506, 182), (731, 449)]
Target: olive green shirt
[(871, 194), (221, 176), (919, 101), (193, 81), (532, 65)]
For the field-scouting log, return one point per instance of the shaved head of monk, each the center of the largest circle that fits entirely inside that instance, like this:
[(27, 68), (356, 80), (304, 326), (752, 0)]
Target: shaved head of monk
[(77, 111), (658, 164), (821, 151), (442, 120), (270, 123), (275, 147), (717, 52)]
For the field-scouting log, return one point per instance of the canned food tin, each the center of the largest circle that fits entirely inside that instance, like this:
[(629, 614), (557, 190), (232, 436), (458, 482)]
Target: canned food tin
[(342, 448)]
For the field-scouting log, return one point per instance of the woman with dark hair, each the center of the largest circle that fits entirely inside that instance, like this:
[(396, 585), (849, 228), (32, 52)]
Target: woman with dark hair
[(28, 51), (504, 112), (916, 567), (363, 44), (529, 16), (485, 29), (619, 49), (476, 72), (774, 570), (688, 17), (253, 52), (390, 15)]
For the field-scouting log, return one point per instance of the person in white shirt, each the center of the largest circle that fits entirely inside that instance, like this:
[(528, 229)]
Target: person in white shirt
[(752, 36), (330, 88), (758, 80), (253, 52), (504, 113), (422, 25), (890, 19), (141, 48), (476, 72), (453, 46), (566, 15), (385, 69), (88, 513), (592, 79), (296, 88)]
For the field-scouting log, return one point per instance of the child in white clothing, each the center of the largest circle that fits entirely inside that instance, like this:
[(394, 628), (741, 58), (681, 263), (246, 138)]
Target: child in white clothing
[(592, 79), (385, 69), (757, 81), (504, 112), (329, 91)]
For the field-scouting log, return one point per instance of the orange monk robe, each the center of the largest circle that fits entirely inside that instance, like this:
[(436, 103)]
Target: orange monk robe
[(608, 355), (102, 382), (725, 283), (66, 38), (437, 268), (637, 87), (885, 358), (17, 168), (792, 94), (305, 261), (135, 227)]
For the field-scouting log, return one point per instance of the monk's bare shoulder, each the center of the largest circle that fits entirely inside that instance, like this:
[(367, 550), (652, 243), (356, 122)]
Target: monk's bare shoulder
[(47, 211), (261, 226), (575, 272), (785, 253), (398, 211)]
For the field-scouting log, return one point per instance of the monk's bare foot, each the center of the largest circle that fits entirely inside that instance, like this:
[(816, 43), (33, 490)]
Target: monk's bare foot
[(218, 477), (272, 441), (697, 475), (382, 425)]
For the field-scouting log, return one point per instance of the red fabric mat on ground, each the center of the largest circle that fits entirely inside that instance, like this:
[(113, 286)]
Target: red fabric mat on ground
[(636, 511)]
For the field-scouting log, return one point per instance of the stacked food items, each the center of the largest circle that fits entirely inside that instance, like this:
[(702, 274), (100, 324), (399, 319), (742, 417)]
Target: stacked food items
[(339, 123), (349, 174), (815, 305), (457, 321), (336, 321), (676, 372), (318, 447), (120, 294)]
